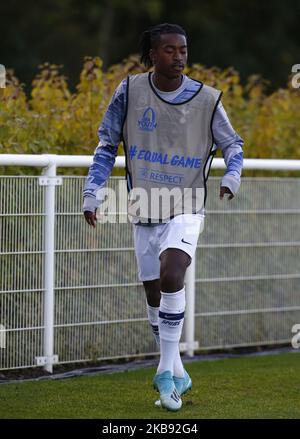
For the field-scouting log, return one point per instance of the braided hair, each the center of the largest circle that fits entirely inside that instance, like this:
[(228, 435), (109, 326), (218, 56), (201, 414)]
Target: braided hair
[(151, 37)]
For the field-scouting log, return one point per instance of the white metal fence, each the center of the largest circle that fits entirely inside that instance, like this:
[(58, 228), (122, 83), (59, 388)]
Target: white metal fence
[(70, 293)]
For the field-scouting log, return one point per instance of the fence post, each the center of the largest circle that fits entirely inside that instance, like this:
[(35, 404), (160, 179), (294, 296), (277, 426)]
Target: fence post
[(189, 321), (49, 180), (2, 337)]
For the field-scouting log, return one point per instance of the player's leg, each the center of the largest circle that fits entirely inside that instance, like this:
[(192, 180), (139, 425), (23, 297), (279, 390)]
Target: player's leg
[(146, 240), (171, 311), (152, 289), (153, 295), (174, 263), (178, 243)]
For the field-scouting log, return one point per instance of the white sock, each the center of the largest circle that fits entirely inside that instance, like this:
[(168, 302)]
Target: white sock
[(178, 368), (171, 316), (152, 313)]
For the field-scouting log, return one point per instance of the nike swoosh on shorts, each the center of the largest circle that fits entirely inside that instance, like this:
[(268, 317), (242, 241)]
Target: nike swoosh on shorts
[(185, 242)]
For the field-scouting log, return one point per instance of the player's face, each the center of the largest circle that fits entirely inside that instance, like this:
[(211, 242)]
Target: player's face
[(170, 55)]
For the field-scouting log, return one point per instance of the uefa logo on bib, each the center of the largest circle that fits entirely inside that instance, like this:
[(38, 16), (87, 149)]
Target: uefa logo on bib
[(147, 122)]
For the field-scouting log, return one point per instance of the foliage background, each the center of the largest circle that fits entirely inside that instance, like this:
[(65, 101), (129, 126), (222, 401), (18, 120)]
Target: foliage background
[(84, 49), (55, 120)]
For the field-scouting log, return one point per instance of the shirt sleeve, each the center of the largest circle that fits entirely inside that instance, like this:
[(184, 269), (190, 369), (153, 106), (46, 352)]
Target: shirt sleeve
[(231, 146), (110, 136)]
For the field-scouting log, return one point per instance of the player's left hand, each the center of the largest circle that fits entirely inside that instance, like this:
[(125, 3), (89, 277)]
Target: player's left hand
[(225, 190)]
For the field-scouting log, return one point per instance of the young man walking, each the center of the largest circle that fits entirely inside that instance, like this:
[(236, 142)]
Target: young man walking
[(171, 126)]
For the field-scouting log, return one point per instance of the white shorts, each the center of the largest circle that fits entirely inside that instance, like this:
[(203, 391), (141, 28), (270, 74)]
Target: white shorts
[(181, 232)]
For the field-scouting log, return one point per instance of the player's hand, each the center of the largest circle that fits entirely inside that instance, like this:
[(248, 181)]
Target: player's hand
[(90, 218), (225, 190)]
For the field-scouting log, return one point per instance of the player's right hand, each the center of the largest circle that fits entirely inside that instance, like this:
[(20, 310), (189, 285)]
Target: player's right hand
[(90, 218)]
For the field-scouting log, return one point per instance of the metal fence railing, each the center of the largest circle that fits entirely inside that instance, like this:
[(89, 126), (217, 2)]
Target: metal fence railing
[(69, 293)]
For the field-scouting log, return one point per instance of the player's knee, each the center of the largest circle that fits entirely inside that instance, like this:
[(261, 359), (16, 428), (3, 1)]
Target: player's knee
[(171, 280)]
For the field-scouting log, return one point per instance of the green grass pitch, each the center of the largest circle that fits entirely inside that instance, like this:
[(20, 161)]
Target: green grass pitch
[(244, 387)]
